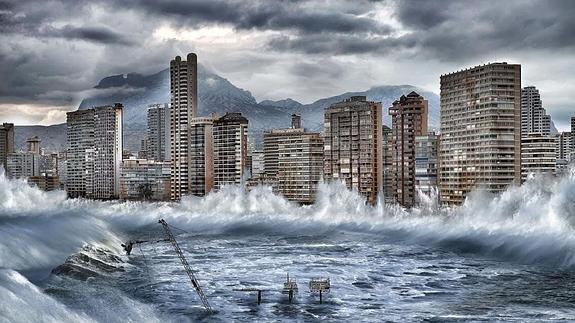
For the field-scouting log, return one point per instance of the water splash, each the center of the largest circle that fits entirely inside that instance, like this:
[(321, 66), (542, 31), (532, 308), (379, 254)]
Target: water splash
[(530, 223), (22, 301)]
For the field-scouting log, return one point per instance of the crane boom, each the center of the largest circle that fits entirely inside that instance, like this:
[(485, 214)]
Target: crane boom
[(187, 267)]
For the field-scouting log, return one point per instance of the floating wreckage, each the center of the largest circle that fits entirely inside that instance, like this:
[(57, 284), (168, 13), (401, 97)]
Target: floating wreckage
[(290, 288), (170, 237), (259, 290), (321, 286), (130, 244), (187, 267)]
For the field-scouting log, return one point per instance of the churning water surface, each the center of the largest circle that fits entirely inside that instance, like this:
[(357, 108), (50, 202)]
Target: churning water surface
[(508, 257)]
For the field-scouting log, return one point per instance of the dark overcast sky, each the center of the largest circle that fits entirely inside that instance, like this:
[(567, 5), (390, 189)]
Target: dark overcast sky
[(53, 52)]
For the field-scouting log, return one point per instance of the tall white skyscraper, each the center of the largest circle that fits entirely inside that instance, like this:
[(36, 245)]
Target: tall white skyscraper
[(184, 107), (158, 143)]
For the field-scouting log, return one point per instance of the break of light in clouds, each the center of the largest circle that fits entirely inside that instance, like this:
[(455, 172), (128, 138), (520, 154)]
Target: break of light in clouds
[(53, 52)]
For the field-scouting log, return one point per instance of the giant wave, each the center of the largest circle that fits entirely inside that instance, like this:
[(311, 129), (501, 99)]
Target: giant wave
[(532, 223)]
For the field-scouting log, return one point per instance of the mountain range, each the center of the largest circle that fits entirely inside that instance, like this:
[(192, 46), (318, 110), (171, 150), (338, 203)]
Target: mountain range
[(216, 95)]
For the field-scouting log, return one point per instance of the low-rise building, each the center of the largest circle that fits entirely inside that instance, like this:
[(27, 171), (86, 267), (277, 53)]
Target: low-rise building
[(143, 179), (45, 182), (23, 165), (258, 164), (563, 149), (538, 155), (426, 158)]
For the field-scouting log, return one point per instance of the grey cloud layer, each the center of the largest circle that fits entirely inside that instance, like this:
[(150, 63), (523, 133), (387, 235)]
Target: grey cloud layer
[(51, 49), (269, 15), (455, 30)]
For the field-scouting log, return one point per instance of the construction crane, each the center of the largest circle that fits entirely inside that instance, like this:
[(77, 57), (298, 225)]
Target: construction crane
[(187, 267)]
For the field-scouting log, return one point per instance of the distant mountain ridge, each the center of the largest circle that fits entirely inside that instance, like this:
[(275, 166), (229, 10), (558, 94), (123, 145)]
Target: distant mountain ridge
[(286, 103), (312, 114), (218, 95)]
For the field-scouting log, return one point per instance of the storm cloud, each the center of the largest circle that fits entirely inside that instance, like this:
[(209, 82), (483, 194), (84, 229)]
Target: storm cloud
[(52, 51)]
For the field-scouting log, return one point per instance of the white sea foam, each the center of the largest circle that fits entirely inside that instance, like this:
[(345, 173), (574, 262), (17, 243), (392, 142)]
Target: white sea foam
[(529, 223), (22, 301)]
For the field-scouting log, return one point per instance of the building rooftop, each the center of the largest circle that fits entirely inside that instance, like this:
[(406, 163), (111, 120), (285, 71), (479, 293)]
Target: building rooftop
[(233, 116), (479, 66)]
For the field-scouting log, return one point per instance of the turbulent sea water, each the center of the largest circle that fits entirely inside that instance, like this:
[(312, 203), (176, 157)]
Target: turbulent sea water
[(496, 258)]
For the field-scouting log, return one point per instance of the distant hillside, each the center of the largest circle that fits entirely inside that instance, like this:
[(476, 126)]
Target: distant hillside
[(53, 137), (216, 94), (287, 103), (312, 114)]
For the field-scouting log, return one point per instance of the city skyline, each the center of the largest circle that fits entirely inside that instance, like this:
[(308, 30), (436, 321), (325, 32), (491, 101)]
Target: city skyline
[(376, 40), (287, 160), (485, 115)]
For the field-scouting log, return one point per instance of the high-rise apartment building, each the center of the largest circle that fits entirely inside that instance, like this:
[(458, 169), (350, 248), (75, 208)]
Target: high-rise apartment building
[(258, 165), (49, 164), (201, 155), (271, 156), (296, 121), (143, 152), (33, 145), (6, 142), (45, 182), (300, 166), (25, 164), (353, 145), (158, 140), (230, 149), (80, 151), (538, 155), (293, 161), (480, 144), (426, 160), (573, 131), (408, 120), (534, 118), (563, 149), (94, 152), (387, 165), (183, 107)]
